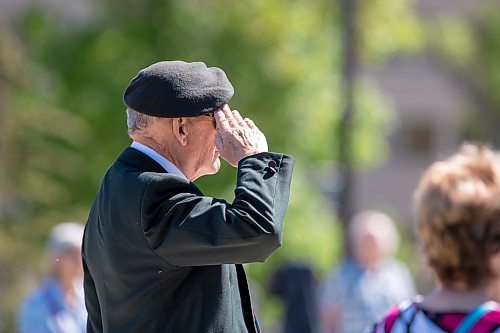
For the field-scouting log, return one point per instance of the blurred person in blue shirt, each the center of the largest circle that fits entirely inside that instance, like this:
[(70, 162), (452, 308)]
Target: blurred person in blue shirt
[(363, 287), (58, 305)]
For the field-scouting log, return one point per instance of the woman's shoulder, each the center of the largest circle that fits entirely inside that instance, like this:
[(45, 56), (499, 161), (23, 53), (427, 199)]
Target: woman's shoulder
[(401, 314), (483, 319), (409, 314), (491, 316)]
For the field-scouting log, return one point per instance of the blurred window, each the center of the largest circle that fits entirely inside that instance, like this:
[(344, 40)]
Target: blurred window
[(415, 138)]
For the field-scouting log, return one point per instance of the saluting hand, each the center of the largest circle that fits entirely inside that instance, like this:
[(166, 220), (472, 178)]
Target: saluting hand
[(236, 137)]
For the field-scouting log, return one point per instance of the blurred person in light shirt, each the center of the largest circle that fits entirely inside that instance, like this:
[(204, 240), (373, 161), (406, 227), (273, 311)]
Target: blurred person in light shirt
[(363, 287), (57, 305)]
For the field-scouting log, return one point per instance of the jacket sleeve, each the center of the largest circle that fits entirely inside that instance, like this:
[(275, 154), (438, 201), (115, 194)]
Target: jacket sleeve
[(186, 228)]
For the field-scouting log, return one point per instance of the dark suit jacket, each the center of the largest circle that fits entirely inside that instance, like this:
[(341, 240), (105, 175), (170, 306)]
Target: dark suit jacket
[(160, 257)]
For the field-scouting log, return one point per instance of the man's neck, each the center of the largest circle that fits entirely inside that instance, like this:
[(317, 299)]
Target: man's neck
[(164, 151), (460, 300)]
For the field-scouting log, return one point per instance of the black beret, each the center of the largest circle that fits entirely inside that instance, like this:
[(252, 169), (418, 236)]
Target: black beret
[(170, 89)]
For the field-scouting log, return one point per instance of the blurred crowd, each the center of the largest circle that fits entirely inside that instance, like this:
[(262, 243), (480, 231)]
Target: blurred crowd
[(456, 223)]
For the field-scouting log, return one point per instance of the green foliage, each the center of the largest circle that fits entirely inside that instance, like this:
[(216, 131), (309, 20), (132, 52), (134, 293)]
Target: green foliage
[(389, 27), (486, 54)]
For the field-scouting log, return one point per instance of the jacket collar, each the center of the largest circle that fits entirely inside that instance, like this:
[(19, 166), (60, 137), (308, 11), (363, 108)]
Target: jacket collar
[(145, 163), (140, 160)]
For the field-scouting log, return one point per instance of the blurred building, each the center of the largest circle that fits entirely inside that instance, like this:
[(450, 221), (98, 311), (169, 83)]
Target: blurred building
[(74, 11), (430, 9), (432, 108)]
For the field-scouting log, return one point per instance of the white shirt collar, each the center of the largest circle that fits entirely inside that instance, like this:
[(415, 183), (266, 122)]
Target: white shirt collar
[(166, 164)]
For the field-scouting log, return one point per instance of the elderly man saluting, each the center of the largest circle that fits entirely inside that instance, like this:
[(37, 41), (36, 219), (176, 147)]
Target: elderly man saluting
[(158, 255)]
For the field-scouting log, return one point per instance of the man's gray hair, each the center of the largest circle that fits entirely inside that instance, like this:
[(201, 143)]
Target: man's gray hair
[(136, 120)]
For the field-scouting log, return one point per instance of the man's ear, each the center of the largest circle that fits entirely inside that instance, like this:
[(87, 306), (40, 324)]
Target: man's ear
[(179, 128)]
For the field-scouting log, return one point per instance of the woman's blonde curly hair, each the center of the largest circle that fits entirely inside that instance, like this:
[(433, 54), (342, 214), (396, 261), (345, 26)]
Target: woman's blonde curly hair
[(457, 205)]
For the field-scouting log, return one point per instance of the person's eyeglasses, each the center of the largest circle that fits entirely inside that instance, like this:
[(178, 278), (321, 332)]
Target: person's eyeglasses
[(211, 115)]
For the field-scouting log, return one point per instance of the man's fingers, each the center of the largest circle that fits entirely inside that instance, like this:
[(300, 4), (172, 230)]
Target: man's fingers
[(237, 137), (230, 118), (238, 118), (221, 120), (250, 123), (227, 113)]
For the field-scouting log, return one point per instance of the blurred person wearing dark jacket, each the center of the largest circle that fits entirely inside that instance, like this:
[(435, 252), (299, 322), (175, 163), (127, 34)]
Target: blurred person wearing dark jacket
[(296, 285), (57, 305), (158, 255), (363, 287)]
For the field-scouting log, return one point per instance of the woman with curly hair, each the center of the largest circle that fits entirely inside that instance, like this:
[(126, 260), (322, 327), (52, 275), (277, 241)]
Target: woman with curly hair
[(457, 206)]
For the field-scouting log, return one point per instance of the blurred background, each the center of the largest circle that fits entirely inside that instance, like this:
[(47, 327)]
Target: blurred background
[(364, 94)]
